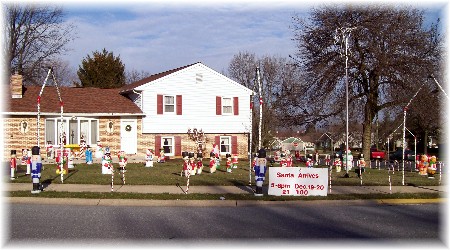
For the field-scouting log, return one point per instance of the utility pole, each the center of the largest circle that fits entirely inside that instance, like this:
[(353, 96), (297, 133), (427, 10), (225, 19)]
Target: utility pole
[(260, 107)]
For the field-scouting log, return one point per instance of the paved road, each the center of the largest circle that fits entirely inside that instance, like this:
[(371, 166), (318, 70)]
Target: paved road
[(50, 223)]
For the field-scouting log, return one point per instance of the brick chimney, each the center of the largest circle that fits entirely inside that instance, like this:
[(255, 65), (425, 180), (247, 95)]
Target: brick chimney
[(16, 85)]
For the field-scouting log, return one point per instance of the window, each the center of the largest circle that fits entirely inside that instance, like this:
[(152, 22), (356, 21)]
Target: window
[(169, 104), (86, 128), (167, 144), (225, 145), (227, 106)]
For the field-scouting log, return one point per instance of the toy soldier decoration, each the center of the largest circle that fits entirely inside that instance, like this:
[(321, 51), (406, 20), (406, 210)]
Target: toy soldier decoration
[(36, 166), (260, 171)]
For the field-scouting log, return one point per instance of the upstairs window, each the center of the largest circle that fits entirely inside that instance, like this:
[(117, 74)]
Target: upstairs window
[(169, 104), (227, 106)]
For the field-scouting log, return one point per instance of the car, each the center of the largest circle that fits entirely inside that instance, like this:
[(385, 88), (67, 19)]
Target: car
[(376, 154), (397, 155)]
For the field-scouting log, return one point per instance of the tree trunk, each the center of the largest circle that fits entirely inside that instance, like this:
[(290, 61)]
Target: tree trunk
[(366, 140)]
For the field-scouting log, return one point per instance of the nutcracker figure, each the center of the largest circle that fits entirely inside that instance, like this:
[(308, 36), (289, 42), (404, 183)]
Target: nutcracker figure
[(337, 163), (13, 164), (199, 163), (149, 158), (228, 164), (28, 162), (36, 166), (423, 165), (24, 157), (432, 167), (193, 166), (212, 163), (361, 164), (260, 171), (234, 160), (107, 166), (186, 164), (88, 153)]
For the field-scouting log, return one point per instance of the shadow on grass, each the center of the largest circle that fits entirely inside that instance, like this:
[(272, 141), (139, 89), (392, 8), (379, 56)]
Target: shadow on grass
[(49, 181)]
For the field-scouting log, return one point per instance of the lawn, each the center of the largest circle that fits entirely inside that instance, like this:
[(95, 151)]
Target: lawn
[(169, 174)]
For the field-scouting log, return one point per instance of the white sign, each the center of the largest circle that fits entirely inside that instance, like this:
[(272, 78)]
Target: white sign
[(298, 181)]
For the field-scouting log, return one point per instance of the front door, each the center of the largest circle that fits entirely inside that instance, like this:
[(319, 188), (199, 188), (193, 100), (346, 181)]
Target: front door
[(128, 136)]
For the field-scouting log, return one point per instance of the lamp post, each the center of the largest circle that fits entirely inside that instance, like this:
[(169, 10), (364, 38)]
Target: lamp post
[(260, 107), (344, 33)]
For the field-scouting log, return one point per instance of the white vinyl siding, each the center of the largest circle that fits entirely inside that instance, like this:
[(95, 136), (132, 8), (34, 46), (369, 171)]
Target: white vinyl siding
[(199, 103)]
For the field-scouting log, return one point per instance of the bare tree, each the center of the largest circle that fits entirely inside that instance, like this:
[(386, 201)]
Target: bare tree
[(391, 54), (134, 76), (35, 36)]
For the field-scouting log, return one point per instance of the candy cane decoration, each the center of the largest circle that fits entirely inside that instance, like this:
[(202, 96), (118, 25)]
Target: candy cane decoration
[(440, 171), (330, 170), (112, 177), (390, 185), (188, 175), (50, 71)]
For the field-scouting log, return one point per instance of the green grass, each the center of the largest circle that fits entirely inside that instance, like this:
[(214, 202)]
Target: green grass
[(169, 174), (167, 196)]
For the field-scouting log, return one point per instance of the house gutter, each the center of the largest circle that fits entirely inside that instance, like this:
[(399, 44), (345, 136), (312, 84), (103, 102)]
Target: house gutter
[(71, 114)]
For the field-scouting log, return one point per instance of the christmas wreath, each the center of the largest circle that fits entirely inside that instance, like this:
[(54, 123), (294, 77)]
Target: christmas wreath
[(128, 128)]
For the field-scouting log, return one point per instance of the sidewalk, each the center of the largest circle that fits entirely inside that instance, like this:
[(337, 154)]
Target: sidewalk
[(154, 189)]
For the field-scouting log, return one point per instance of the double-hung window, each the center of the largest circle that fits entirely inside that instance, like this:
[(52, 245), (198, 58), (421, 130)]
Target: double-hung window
[(225, 145), (169, 104), (227, 106)]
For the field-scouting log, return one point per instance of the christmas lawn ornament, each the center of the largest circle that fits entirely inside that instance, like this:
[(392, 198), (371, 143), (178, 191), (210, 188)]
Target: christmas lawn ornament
[(255, 160), (50, 151), (122, 164), (283, 160), (70, 159), (347, 160), (228, 164), (36, 166), (277, 155), (309, 161), (83, 147), (289, 161), (423, 165), (216, 152), (199, 163), (337, 163), (327, 160), (149, 158), (28, 162), (260, 171), (316, 159), (297, 155), (61, 167), (99, 151), (24, 157), (234, 161), (186, 164), (13, 164), (161, 157), (88, 153), (432, 167), (192, 164), (212, 163), (107, 166), (360, 167)]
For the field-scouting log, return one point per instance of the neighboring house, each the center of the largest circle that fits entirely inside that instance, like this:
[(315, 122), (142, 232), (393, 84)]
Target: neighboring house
[(155, 112)]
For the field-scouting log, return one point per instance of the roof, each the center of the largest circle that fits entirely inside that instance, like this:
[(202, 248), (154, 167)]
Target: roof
[(75, 100), (131, 86), (291, 140)]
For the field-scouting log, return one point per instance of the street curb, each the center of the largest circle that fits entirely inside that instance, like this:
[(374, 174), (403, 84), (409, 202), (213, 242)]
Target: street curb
[(210, 203)]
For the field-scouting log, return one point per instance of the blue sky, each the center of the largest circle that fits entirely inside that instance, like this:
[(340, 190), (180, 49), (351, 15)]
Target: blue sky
[(157, 36)]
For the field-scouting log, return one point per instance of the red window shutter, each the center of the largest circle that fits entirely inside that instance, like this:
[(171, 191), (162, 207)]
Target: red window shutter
[(177, 145), (157, 144), (179, 105), (159, 104), (236, 105), (234, 148), (218, 105), (217, 141)]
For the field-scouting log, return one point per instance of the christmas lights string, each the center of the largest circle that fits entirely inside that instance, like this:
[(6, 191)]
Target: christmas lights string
[(50, 71)]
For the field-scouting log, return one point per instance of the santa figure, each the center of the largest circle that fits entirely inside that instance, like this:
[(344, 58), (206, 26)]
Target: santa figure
[(107, 166), (337, 163), (289, 161), (13, 164), (199, 163), (212, 163), (122, 161), (149, 158), (228, 164), (234, 160), (216, 153)]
